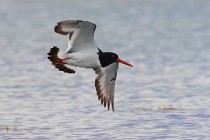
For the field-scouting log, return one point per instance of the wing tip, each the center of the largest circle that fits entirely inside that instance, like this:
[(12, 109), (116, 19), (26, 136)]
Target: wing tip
[(105, 101), (58, 29)]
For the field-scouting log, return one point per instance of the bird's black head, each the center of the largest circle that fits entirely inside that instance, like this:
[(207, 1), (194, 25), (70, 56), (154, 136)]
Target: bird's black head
[(107, 58)]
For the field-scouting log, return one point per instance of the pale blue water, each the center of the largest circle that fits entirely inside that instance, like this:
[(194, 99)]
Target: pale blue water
[(166, 95)]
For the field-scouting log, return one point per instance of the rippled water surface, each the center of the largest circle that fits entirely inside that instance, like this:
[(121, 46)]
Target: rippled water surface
[(166, 95)]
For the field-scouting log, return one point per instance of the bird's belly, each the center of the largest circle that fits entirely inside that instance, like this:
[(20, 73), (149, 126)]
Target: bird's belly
[(84, 60)]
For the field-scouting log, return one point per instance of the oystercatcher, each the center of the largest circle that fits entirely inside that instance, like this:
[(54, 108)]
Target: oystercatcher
[(82, 51)]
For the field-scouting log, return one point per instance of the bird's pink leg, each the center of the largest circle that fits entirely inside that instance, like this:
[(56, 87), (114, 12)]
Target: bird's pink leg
[(60, 61)]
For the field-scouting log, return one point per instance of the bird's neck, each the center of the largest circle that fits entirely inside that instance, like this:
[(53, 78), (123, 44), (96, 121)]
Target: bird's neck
[(104, 58)]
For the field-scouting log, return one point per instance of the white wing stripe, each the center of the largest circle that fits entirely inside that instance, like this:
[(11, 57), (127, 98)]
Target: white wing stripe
[(105, 84), (81, 34)]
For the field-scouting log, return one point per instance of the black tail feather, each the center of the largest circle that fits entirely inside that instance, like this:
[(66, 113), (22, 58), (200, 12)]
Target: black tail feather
[(53, 55)]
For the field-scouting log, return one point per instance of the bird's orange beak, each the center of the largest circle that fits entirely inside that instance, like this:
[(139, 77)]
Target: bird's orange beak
[(124, 62)]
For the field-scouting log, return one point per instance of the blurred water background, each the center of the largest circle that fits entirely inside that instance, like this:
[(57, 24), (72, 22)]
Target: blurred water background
[(166, 95)]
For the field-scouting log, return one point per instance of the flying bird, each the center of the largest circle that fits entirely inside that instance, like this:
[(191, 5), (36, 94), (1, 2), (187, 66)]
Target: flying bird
[(83, 52)]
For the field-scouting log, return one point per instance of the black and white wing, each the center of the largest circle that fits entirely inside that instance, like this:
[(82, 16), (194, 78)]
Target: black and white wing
[(80, 34), (105, 84)]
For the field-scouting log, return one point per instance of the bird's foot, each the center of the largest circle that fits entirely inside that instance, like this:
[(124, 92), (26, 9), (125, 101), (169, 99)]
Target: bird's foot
[(60, 61)]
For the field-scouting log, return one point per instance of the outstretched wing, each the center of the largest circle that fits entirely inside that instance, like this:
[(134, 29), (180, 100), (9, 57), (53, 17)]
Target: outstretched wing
[(81, 34), (105, 84)]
